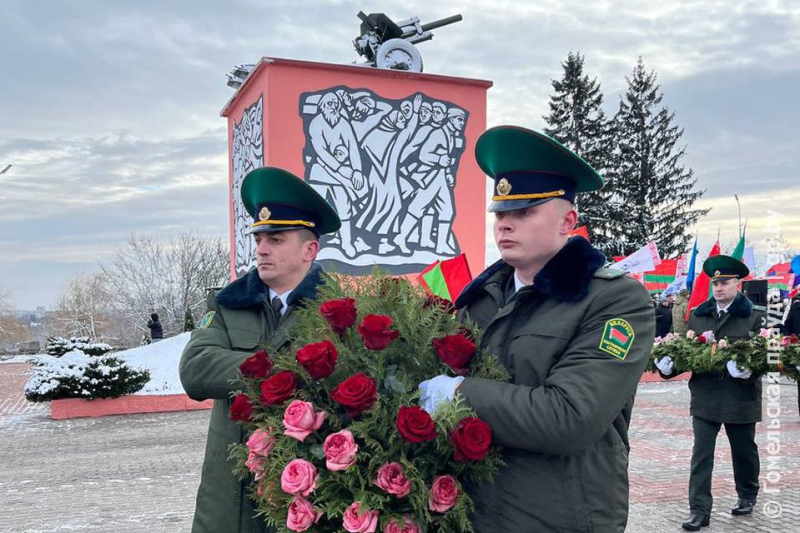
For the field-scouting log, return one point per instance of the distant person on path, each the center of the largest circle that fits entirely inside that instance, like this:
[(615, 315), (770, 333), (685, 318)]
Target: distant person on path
[(156, 331)]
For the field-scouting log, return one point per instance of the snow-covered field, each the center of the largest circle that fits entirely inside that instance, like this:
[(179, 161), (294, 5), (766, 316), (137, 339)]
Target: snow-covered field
[(160, 358)]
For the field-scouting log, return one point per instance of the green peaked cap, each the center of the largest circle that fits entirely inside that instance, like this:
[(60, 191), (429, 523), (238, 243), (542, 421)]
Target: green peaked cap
[(279, 201), (505, 149), (724, 266)]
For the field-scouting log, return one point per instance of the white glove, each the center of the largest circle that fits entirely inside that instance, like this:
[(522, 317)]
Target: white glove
[(734, 371), (665, 365), (439, 389)]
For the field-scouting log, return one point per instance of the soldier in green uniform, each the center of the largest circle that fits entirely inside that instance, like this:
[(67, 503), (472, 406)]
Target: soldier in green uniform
[(574, 336), (732, 398), (253, 311)]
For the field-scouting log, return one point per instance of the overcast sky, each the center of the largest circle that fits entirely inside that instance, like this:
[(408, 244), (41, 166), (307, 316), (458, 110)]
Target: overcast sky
[(109, 110)]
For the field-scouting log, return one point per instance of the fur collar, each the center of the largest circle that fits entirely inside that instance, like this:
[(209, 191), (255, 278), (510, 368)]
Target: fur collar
[(564, 278), (741, 307), (250, 291)]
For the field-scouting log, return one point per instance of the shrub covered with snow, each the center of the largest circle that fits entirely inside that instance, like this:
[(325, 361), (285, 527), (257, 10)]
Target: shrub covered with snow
[(58, 346), (76, 375)]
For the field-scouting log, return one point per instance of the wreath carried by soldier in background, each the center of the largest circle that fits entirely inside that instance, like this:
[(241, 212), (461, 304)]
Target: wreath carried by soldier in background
[(762, 353)]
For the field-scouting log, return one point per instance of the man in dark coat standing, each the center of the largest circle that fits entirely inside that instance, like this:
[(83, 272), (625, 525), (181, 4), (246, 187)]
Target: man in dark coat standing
[(732, 398), (156, 331), (254, 311), (575, 338), (663, 317)]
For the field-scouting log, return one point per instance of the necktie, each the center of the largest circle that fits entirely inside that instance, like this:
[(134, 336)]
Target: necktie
[(721, 314), (277, 305)]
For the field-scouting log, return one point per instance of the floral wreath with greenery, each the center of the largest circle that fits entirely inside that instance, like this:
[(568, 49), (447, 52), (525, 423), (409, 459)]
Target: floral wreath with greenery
[(763, 352), (337, 439)]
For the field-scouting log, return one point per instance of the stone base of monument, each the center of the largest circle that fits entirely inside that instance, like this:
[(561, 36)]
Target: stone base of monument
[(124, 405)]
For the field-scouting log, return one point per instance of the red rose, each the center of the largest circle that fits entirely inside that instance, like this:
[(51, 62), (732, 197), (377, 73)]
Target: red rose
[(431, 300), (241, 408), (702, 339), (357, 394), (257, 365), (340, 314), (471, 439), (318, 358), (278, 388), (455, 351), (415, 424), (374, 329)]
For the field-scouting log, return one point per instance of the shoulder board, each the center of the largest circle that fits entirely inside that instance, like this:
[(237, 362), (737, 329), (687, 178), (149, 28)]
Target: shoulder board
[(608, 273)]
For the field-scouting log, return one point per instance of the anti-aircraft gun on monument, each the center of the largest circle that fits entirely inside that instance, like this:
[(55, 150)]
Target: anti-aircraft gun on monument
[(388, 44)]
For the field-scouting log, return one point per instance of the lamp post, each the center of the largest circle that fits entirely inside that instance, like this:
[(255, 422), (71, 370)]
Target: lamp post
[(740, 214)]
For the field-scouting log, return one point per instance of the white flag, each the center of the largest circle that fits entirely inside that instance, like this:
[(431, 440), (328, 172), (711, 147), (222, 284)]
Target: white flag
[(642, 260)]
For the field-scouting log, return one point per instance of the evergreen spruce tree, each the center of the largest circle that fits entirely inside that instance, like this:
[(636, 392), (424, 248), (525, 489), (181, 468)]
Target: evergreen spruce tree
[(648, 171), (577, 121)]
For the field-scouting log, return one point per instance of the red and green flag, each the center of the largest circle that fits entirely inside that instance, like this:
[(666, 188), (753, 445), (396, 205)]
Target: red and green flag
[(446, 279), (657, 280)]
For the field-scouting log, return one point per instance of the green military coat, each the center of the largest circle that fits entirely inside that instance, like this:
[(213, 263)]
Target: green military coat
[(242, 323), (563, 419), (718, 397)]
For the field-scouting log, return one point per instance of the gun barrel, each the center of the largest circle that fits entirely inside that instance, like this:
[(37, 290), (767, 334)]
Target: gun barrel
[(442, 22)]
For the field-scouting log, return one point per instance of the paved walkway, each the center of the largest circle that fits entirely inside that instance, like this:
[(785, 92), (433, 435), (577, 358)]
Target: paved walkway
[(139, 473)]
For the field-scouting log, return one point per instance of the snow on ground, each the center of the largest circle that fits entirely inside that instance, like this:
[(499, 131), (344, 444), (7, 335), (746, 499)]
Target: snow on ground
[(161, 359)]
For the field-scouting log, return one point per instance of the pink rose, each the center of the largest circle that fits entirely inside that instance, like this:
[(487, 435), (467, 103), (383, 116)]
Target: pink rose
[(301, 515), (690, 334), (357, 520), (764, 333), (396, 526), (299, 478), (709, 335), (657, 341), (444, 494), (255, 463), (261, 442), (300, 419), (392, 479), (340, 450), (723, 343)]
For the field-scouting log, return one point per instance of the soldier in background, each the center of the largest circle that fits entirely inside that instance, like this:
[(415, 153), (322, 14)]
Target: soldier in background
[(732, 398), (680, 308)]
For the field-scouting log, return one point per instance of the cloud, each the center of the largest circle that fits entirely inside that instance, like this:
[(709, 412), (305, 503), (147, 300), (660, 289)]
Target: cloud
[(111, 110)]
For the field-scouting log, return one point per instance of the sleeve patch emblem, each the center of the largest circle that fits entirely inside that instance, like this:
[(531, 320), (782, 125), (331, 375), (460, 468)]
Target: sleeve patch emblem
[(617, 338), (207, 319)]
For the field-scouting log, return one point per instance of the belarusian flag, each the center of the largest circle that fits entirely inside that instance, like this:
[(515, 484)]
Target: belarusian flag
[(446, 279), (656, 281)]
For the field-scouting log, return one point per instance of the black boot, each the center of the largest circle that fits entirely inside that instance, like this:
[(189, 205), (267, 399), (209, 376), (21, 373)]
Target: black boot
[(696, 521), (743, 507)]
